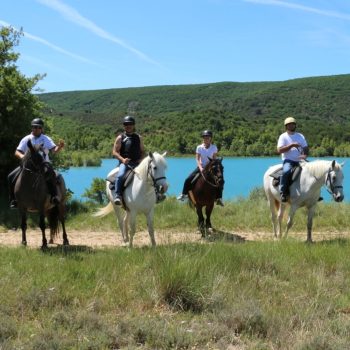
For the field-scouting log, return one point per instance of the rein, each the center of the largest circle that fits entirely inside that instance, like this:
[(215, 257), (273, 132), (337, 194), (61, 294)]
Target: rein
[(216, 184), (37, 170), (157, 188)]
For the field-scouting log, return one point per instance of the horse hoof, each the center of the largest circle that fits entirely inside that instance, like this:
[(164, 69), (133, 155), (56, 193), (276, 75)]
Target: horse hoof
[(65, 243), (51, 241), (24, 243)]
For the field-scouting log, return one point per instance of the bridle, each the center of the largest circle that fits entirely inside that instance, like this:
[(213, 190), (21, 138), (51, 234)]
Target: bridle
[(34, 168), (330, 185), (217, 179), (157, 188)]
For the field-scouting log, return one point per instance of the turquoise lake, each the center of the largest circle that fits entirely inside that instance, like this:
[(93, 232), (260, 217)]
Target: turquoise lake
[(241, 175)]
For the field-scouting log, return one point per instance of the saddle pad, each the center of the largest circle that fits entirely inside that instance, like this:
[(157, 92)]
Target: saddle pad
[(112, 174)]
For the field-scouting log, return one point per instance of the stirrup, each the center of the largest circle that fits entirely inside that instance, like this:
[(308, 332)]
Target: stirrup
[(13, 204), (284, 198), (117, 200), (54, 200)]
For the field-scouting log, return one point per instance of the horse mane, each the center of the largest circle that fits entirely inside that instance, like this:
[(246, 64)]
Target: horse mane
[(319, 167), (142, 168)]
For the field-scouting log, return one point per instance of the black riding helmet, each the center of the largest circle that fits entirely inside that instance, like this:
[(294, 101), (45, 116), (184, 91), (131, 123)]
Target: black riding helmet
[(128, 120), (37, 122), (207, 133)]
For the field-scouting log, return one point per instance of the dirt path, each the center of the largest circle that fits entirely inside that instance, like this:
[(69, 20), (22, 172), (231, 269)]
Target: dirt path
[(96, 239)]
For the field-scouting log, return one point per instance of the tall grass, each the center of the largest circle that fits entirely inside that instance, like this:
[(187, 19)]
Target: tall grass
[(257, 295)]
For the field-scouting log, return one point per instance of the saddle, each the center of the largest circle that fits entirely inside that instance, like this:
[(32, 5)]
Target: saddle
[(295, 172), (127, 178)]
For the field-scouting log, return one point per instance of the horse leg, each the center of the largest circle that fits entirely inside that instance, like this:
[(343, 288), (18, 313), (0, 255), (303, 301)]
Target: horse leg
[(125, 228), (280, 213), (290, 219), (200, 220), (272, 205), (24, 228), (120, 220), (132, 221), (42, 227), (150, 227), (208, 211), (310, 216), (65, 237)]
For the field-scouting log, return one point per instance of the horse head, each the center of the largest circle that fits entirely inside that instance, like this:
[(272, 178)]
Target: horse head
[(334, 181), (156, 171), (214, 171), (34, 157)]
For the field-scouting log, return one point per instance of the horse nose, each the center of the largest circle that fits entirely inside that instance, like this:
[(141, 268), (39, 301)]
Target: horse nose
[(164, 188)]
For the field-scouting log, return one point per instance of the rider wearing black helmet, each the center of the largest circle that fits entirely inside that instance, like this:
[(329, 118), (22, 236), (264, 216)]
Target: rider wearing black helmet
[(204, 151), (129, 150), (37, 137)]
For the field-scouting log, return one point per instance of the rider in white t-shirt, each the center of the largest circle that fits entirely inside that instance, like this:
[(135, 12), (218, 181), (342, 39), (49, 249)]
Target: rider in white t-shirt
[(204, 151), (293, 147), (36, 137)]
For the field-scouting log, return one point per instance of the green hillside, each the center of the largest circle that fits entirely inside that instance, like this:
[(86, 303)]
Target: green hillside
[(246, 118)]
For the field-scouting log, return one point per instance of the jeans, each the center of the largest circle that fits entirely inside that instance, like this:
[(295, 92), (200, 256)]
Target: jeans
[(286, 175), (120, 176)]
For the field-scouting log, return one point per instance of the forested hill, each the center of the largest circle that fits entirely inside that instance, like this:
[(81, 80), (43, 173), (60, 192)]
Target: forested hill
[(246, 117)]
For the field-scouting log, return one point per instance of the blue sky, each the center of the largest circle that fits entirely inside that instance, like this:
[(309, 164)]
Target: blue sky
[(102, 44)]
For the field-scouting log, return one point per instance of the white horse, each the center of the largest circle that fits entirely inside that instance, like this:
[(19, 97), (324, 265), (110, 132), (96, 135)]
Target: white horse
[(304, 191), (139, 196)]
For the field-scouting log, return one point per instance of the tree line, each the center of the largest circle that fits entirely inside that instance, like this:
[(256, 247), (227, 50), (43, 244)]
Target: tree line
[(246, 118)]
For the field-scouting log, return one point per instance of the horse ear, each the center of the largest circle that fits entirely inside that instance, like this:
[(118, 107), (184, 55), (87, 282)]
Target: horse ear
[(342, 164), (333, 164), (150, 154), (164, 154), (30, 145)]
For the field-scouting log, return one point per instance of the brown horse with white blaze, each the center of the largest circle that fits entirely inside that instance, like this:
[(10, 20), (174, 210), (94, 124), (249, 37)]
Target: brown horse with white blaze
[(204, 192)]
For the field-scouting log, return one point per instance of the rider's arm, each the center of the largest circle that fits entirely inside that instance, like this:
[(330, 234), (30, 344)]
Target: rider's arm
[(116, 149), (19, 154), (58, 147), (286, 148), (198, 160)]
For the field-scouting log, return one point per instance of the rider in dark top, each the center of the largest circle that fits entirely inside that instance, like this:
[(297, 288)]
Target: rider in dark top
[(129, 150)]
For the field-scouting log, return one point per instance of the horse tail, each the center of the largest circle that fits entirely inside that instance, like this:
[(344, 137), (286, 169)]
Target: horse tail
[(53, 219), (104, 211)]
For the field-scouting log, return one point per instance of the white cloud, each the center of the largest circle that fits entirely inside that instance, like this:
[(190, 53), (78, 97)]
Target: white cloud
[(295, 6), (74, 16), (52, 46)]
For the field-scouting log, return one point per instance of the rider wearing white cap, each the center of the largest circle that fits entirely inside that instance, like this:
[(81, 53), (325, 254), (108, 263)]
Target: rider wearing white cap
[(293, 147)]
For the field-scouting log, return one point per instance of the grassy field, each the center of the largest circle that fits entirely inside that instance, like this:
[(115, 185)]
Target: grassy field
[(222, 295)]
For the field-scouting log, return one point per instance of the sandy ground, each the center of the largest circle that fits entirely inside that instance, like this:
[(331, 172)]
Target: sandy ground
[(95, 239)]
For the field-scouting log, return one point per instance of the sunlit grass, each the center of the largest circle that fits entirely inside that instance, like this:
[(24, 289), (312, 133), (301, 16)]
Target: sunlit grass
[(257, 295)]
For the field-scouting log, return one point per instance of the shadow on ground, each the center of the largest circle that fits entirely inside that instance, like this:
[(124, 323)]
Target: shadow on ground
[(218, 235)]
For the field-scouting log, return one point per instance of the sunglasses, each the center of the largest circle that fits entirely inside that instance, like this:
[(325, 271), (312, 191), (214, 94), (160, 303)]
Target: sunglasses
[(36, 127)]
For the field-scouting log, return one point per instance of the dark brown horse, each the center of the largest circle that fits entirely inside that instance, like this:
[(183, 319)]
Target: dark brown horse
[(205, 190), (32, 195)]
